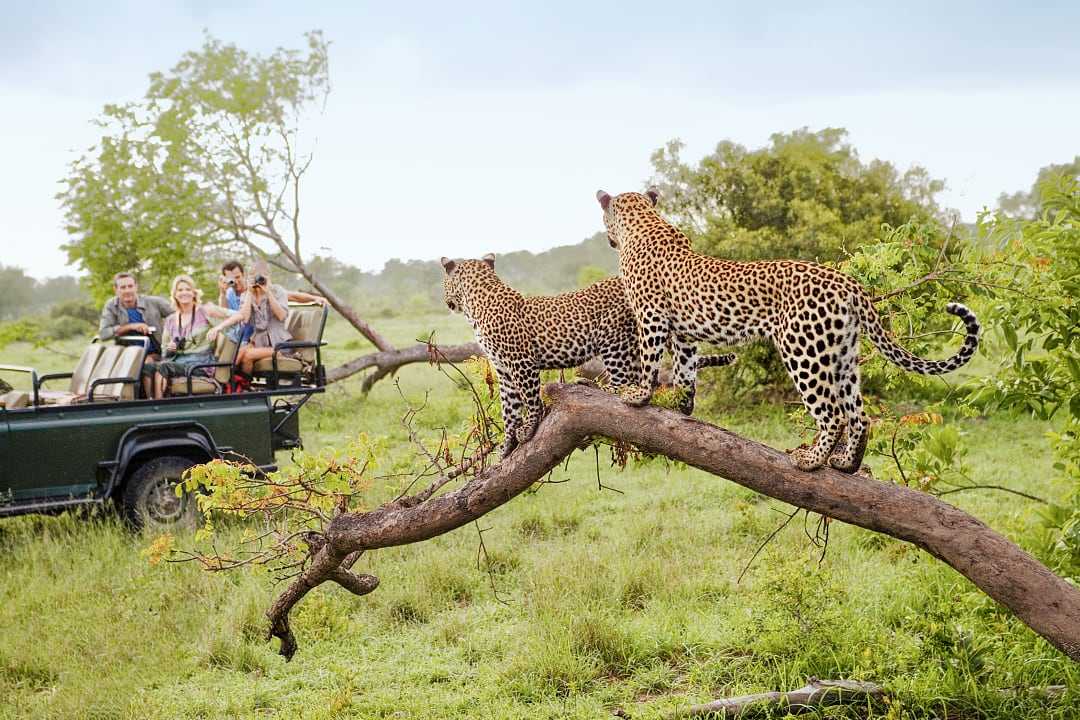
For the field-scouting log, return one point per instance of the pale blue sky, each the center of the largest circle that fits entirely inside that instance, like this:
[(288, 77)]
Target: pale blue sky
[(463, 128)]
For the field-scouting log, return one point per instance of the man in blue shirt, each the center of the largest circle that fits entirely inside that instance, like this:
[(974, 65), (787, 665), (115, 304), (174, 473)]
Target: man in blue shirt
[(130, 313), (231, 288)]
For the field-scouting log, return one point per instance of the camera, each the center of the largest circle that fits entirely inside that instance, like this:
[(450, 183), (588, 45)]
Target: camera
[(180, 342), (260, 280), (231, 282)]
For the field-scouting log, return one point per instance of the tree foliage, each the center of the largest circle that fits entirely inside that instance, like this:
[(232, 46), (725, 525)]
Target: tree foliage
[(807, 195), (206, 162)]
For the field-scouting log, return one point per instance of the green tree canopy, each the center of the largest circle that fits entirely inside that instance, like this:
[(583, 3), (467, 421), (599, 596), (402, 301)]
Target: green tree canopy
[(807, 195), (206, 164)]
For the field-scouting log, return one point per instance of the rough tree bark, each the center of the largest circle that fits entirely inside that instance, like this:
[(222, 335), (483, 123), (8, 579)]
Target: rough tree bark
[(998, 567)]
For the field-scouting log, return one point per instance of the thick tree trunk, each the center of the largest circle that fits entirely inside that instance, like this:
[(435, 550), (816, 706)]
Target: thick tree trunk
[(1045, 602)]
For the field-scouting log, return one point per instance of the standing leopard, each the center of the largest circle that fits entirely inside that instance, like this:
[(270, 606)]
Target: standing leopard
[(812, 313), (523, 335)]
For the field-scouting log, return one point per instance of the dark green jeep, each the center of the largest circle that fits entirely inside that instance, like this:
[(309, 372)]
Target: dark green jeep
[(96, 443)]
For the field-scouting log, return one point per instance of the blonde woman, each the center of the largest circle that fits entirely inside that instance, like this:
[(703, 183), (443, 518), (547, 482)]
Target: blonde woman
[(185, 338)]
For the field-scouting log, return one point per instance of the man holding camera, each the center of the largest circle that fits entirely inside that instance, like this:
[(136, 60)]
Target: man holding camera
[(263, 306)]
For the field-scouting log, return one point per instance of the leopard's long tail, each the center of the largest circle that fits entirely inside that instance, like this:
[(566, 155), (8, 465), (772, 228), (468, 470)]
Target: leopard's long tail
[(871, 323), (704, 361)]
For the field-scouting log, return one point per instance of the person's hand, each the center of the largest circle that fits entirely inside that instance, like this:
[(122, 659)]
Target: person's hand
[(170, 349), (212, 334), (319, 300), (222, 283), (141, 328)]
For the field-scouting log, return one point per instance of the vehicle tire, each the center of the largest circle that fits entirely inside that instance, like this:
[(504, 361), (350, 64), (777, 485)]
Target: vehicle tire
[(150, 501)]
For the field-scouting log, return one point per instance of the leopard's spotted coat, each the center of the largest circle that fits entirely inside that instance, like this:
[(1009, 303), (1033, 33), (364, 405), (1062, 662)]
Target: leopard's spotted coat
[(812, 313), (523, 335)]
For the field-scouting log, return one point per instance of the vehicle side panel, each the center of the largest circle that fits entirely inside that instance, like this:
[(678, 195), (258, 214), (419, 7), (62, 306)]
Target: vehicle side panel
[(55, 451)]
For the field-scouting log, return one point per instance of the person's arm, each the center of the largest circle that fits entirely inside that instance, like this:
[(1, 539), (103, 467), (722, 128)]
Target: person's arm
[(222, 285), (215, 311), (241, 315), (303, 297), (106, 329), (168, 331), (280, 310)]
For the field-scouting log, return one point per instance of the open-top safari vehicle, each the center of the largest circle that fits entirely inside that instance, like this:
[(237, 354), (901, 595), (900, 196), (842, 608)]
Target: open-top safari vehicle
[(95, 442)]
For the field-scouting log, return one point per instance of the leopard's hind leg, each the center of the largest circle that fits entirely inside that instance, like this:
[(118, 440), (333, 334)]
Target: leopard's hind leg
[(684, 358), (849, 455), (622, 360), (810, 364)]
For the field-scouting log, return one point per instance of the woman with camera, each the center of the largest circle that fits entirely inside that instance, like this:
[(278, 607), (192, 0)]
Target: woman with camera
[(266, 307), (186, 334)]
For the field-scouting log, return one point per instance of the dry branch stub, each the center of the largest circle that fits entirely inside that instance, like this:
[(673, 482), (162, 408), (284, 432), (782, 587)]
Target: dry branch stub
[(1043, 601), (816, 694)]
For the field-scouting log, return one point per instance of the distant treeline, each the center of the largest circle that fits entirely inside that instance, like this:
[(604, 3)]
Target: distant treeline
[(413, 285), (23, 295), (401, 286)]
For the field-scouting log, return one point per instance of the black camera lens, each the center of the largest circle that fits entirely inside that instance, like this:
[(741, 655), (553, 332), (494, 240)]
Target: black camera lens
[(231, 282), (180, 342), (260, 279)]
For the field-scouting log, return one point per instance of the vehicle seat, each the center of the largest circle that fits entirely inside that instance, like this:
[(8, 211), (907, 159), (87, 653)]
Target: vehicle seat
[(225, 350), (107, 358), (305, 323), (128, 365), (80, 377), (15, 400)]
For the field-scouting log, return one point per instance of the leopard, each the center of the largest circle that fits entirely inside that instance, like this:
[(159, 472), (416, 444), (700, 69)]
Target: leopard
[(812, 313), (522, 335)]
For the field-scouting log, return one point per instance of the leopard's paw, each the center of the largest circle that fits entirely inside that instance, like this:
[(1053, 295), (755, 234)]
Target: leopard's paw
[(635, 395), (803, 458)]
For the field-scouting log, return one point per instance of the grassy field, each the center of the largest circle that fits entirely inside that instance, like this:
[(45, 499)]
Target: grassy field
[(598, 599)]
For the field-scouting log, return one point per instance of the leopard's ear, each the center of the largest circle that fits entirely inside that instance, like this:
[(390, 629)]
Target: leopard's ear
[(604, 199), (448, 264), (489, 260), (653, 193)]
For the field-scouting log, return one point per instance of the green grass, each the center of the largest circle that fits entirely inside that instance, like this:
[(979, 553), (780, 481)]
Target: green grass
[(601, 599)]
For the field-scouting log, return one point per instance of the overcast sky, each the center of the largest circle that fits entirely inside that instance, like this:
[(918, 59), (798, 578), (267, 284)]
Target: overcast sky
[(464, 128)]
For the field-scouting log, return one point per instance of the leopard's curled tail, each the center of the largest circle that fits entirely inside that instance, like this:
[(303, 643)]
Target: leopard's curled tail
[(871, 323)]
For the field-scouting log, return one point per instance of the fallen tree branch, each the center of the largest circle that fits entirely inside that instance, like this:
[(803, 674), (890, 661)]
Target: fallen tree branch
[(816, 694), (1045, 602), (387, 362)]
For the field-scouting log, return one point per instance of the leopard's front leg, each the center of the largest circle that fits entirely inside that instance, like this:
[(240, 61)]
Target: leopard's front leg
[(528, 383), (512, 406)]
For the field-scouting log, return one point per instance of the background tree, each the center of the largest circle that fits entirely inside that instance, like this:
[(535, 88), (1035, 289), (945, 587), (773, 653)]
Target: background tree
[(1028, 204), (210, 162), (805, 195)]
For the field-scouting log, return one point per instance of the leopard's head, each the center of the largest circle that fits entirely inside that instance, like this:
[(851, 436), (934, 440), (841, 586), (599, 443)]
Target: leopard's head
[(617, 208), (461, 276)]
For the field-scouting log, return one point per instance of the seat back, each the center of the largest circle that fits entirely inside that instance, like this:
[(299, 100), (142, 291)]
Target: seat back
[(128, 365), (225, 351), (104, 368), (306, 323), (80, 376)]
